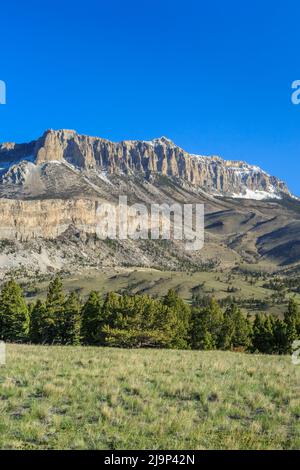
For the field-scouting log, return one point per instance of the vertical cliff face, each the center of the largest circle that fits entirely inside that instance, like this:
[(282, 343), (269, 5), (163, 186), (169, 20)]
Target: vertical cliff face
[(158, 156), (52, 187), (25, 220)]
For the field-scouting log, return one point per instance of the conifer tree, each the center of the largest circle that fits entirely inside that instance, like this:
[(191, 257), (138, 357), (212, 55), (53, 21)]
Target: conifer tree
[(14, 315), (54, 310), (38, 323), (69, 321), (207, 326), (182, 312), (280, 337), (263, 334), (140, 321), (92, 320), (292, 323), (55, 295), (236, 329)]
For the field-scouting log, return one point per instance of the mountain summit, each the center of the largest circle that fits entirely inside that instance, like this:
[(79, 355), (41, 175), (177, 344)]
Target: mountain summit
[(160, 156), (51, 189)]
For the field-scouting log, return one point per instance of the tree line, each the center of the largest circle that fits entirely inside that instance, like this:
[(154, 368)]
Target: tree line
[(136, 321)]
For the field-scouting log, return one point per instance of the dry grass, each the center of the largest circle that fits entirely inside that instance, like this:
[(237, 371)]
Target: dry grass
[(96, 398), (157, 283)]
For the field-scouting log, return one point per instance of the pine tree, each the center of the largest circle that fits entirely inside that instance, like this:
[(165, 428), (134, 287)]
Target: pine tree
[(236, 329), (280, 337), (111, 307), (54, 310), (69, 321), (140, 321), (292, 324), (263, 334), (182, 313), (227, 331), (38, 323), (14, 315), (207, 326), (55, 295), (207, 341), (243, 329), (92, 320)]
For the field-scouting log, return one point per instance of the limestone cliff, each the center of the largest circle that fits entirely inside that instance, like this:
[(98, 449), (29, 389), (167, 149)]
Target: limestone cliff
[(51, 189), (146, 158)]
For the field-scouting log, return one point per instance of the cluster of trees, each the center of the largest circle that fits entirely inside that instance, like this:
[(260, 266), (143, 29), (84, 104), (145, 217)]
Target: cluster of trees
[(141, 321), (275, 335), (292, 284), (124, 321), (215, 328)]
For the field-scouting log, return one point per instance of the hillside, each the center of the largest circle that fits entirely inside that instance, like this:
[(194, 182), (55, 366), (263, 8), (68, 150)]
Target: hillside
[(95, 398), (51, 190), (252, 292)]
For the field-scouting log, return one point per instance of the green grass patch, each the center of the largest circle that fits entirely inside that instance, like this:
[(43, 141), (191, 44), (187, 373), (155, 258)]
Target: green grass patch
[(100, 398), (156, 283)]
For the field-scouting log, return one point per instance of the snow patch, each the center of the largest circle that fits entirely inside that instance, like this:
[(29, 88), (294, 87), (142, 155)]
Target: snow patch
[(160, 141), (257, 194), (294, 197), (103, 176)]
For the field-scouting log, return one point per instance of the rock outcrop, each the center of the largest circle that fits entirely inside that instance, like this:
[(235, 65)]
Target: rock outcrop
[(159, 156), (51, 190)]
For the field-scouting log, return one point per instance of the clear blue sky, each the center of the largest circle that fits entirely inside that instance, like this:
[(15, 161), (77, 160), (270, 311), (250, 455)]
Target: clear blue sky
[(214, 76)]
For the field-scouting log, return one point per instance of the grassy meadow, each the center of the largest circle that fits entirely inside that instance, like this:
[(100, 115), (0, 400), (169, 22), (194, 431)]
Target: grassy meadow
[(157, 283), (55, 397)]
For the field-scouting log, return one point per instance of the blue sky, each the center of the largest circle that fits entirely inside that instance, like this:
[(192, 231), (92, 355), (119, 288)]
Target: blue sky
[(215, 77)]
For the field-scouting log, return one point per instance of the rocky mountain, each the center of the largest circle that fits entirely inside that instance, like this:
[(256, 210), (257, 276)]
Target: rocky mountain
[(147, 158), (51, 189)]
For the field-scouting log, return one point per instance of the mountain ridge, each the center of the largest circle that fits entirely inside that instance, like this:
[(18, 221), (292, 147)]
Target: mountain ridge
[(50, 190), (231, 178)]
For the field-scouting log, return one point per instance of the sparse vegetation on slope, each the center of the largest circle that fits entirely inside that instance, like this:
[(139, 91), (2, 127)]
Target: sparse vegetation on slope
[(55, 397)]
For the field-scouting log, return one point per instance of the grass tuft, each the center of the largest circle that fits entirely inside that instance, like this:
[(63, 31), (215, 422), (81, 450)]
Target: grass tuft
[(101, 398)]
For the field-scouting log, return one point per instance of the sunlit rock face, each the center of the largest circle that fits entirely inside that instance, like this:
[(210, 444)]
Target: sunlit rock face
[(146, 158), (51, 190)]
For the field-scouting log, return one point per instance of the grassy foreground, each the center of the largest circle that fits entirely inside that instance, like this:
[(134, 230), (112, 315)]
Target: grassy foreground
[(96, 398)]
